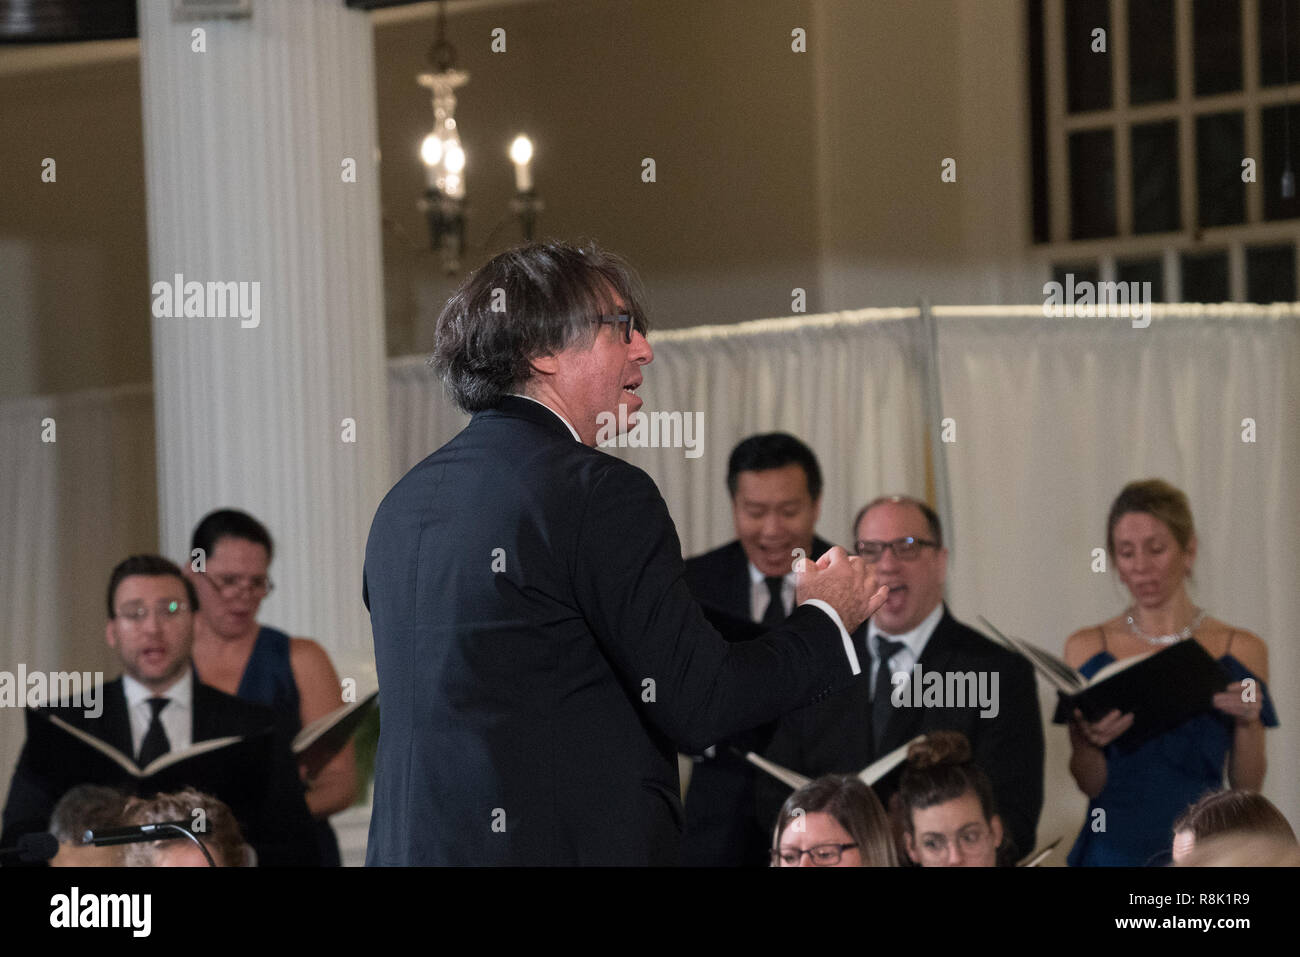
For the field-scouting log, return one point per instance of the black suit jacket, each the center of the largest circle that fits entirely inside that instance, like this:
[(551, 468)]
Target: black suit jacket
[(279, 828), (541, 659), (834, 735), (721, 829)]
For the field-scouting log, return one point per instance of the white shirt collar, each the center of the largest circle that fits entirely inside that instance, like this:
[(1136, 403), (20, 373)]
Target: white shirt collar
[(567, 423), (181, 692), (915, 640), (755, 576)]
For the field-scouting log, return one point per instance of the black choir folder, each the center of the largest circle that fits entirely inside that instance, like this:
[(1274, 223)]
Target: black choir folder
[(1161, 688), (1037, 857), (235, 765), (879, 774), (234, 769), (315, 745)]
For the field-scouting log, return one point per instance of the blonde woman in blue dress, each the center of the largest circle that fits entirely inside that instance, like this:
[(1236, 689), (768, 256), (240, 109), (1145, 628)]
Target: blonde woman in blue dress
[(1152, 543)]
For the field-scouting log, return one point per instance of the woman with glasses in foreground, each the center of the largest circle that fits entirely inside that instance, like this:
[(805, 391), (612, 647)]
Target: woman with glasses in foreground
[(237, 655), (946, 802), (835, 821)]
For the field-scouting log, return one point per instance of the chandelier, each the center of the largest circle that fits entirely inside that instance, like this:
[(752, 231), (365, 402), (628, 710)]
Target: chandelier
[(444, 159)]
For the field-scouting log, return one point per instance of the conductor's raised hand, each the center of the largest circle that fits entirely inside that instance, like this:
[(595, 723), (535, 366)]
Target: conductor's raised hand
[(843, 581)]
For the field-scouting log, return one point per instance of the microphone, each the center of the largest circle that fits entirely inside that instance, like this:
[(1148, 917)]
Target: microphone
[(31, 849), (106, 836), (134, 833)]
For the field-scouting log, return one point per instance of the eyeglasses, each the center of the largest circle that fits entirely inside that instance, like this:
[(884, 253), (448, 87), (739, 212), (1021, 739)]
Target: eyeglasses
[(967, 840), (227, 585), (823, 855), (627, 322), (167, 610), (908, 549)]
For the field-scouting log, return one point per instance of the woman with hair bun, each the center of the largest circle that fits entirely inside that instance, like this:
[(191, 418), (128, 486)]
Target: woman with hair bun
[(946, 802), (1135, 795)]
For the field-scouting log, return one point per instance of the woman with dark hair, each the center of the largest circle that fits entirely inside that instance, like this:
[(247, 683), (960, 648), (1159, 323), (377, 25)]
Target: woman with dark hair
[(1136, 794), (948, 813), (1229, 813), (835, 821), (235, 653)]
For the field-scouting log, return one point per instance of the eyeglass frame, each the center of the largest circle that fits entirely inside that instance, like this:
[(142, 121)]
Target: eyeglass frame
[(169, 615), (775, 855), (235, 587), (893, 546), (985, 834), (627, 321)]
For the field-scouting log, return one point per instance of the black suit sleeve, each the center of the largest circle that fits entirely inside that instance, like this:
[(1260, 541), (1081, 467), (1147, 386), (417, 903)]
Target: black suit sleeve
[(785, 749), (690, 684), (1010, 751), (283, 825), (30, 802)]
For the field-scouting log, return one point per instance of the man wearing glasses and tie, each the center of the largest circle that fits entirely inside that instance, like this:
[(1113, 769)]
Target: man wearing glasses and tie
[(157, 706), (901, 538)]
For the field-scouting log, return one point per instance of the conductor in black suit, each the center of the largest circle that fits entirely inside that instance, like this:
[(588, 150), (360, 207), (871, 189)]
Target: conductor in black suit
[(540, 657), (902, 539), (158, 706), (775, 486)]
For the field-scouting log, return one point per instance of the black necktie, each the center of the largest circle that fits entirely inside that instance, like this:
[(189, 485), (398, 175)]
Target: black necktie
[(775, 613), (155, 743), (880, 705)]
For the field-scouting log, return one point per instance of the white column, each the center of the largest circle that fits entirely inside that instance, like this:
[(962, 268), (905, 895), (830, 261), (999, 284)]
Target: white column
[(245, 149)]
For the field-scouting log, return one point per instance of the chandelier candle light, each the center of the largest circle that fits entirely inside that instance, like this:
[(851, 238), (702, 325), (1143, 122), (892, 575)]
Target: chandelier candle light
[(444, 158), (525, 204), (443, 155)]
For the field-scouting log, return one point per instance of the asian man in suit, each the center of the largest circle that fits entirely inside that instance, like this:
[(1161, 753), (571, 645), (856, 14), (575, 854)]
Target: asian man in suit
[(540, 657), (902, 539), (157, 706), (775, 485)]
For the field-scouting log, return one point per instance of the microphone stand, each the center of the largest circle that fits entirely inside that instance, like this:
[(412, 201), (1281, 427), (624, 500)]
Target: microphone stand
[(105, 837)]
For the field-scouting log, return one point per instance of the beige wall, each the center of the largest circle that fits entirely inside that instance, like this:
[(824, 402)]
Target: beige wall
[(74, 306), (712, 92), (776, 170)]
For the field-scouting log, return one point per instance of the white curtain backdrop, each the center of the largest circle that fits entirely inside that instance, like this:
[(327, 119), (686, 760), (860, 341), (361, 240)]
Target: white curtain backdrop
[(72, 509), (849, 384), (1054, 416), (1051, 418)]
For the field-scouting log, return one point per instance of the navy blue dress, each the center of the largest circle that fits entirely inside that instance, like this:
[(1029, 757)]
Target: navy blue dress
[(1146, 790), (268, 679)]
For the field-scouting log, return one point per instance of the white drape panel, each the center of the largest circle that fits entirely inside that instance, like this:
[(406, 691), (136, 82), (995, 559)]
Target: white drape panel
[(420, 415), (71, 510), (1054, 416), (848, 384)]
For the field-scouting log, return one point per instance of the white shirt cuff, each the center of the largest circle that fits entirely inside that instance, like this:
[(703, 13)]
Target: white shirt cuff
[(848, 642)]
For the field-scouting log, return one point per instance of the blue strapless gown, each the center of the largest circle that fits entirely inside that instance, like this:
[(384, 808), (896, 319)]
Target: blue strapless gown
[(268, 679), (1149, 788)]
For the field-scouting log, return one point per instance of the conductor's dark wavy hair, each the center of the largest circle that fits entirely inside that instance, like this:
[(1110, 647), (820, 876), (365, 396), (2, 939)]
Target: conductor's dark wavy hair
[(534, 300)]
